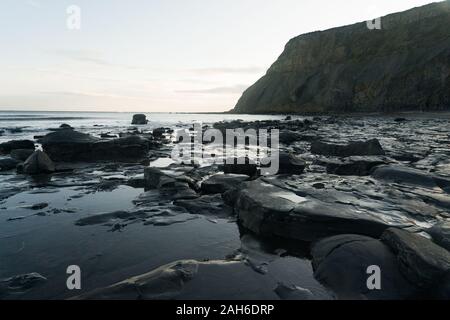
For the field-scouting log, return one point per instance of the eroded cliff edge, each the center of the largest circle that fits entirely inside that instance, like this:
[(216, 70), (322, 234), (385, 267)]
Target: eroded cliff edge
[(405, 66)]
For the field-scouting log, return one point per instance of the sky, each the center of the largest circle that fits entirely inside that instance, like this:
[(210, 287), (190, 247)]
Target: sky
[(154, 55)]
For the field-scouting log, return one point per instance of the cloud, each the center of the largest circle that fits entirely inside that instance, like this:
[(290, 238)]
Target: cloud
[(88, 56), (239, 88), (87, 94), (227, 70)]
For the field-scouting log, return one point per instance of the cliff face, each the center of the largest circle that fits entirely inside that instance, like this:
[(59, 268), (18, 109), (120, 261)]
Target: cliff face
[(403, 66)]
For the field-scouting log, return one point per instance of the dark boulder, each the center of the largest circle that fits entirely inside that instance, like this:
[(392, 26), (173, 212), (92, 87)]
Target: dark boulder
[(70, 146), (356, 148), (7, 147), (341, 263), (139, 119), (38, 163), (159, 132)]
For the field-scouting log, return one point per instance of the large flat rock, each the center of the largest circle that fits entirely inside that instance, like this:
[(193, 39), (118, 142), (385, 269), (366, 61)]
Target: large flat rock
[(272, 211)]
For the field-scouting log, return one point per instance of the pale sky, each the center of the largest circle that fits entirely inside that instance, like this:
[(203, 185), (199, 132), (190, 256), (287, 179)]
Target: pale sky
[(155, 55)]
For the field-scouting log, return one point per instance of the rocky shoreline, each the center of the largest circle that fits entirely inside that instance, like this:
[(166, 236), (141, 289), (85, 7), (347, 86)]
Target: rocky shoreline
[(353, 191)]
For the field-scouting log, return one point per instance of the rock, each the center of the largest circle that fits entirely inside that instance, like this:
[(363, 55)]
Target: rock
[(71, 146), (221, 183), (65, 126), (440, 233), (131, 148), (355, 69), (421, 261), (288, 118), (289, 164), (38, 163), (405, 175), (341, 263), (272, 211), (208, 205), (357, 148), (232, 166), (165, 282), (287, 137), (21, 154), (156, 178), (108, 136), (139, 119), (7, 164), (9, 146), (293, 293), (159, 132), (354, 166), (400, 120), (20, 284)]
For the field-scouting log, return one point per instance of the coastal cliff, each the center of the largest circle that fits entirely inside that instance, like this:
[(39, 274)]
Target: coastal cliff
[(404, 66)]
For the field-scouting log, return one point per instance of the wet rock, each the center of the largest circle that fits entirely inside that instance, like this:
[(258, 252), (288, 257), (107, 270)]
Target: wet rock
[(287, 137), (132, 148), (272, 211), (65, 126), (108, 136), (289, 164), (37, 206), (7, 164), (21, 154), (208, 205), (421, 261), (38, 163), (9, 146), (20, 284), (293, 293), (162, 221), (155, 178), (341, 263), (221, 183), (139, 119), (354, 166), (159, 132), (357, 148), (165, 282), (193, 280), (70, 145), (240, 166), (405, 175), (288, 118), (440, 233)]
